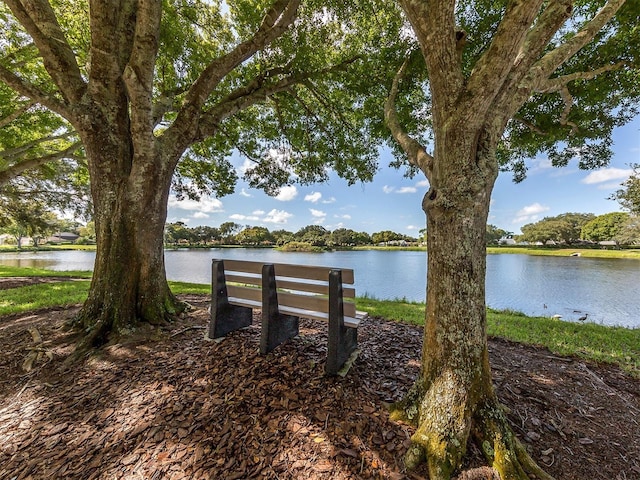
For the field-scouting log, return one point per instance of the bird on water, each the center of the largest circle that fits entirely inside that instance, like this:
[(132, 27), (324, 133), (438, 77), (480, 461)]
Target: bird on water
[(583, 318)]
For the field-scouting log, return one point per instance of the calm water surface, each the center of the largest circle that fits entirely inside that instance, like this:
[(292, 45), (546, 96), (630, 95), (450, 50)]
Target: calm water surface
[(606, 289)]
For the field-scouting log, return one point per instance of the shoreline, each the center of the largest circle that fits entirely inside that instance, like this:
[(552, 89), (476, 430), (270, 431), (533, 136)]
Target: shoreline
[(623, 253)]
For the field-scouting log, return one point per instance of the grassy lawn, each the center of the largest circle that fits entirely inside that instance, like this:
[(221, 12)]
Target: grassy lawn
[(567, 252), (616, 345)]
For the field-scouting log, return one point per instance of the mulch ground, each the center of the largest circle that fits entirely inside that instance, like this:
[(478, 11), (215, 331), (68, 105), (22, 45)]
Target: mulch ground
[(169, 404)]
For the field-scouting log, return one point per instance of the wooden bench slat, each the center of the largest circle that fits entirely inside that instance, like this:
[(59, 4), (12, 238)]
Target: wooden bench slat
[(254, 294), (352, 322), (310, 302), (242, 279), (310, 272)]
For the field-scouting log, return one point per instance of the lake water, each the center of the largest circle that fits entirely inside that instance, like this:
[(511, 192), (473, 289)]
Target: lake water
[(606, 289)]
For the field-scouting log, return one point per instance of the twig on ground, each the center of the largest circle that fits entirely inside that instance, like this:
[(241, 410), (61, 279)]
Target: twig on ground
[(192, 327)]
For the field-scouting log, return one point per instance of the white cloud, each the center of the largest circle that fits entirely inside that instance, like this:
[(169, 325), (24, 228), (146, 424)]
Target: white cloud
[(412, 227), (317, 213), (246, 165), (345, 216), (313, 197), (207, 205), (329, 200), (422, 183), (240, 217), (287, 193), (539, 165), (200, 215), (277, 216), (607, 175), (530, 213), (244, 193), (258, 212), (388, 189)]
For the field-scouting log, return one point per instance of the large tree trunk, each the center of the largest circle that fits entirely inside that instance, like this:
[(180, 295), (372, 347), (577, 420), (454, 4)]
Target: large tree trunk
[(129, 192), (454, 395)]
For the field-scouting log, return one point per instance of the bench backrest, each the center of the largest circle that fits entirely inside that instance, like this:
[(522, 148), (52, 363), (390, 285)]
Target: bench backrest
[(299, 286)]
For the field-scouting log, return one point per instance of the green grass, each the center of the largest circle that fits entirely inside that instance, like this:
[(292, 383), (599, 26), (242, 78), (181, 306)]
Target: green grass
[(180, 288), (615, 345), (6, 271), (44, 295), (566, 252), (591, 341)]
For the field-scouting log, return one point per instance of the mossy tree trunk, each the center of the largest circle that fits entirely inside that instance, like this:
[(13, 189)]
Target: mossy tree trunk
[(473, 99), (130, 188), (453, 397)]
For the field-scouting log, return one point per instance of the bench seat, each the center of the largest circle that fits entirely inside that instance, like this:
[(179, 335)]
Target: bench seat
[(285, 293)]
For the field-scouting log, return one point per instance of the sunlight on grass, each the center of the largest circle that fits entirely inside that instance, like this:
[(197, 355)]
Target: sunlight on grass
[(33, 297), (616, 345), (6, 271)]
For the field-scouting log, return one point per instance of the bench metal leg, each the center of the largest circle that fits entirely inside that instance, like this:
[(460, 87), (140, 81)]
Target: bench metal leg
[(276, 327), (342, 340), (225, 318)]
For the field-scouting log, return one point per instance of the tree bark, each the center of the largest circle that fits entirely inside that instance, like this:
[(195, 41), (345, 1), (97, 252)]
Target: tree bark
[(453, 397), (130, 192)]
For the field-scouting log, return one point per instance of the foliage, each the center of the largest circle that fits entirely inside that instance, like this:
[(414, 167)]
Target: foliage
[(315, 235), (630, 231), (494, 234), (629, 195), (23, 217), (604, 227), (255, 236), (40, 156), (564, 228), (295, 246)]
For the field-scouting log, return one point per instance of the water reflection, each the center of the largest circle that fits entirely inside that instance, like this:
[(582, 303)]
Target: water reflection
[(607, 289)]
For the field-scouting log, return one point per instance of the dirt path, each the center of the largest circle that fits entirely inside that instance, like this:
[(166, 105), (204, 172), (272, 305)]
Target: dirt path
[(171, 405)]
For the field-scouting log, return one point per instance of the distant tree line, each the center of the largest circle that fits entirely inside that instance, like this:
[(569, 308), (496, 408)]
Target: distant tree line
[(231, 233), (622, 228), (31, 219)]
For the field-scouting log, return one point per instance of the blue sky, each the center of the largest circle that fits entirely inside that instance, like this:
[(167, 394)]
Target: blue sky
[(392, 202)]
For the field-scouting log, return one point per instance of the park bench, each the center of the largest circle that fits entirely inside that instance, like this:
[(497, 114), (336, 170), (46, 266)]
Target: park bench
[(285, 293)]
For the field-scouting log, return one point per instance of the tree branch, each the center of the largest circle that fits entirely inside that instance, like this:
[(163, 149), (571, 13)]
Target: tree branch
[(493, 68), (13, 152), (138, 74), (552, 60), (26, 89), (40, 22), (17, 169), (558, 83), (16, 114), (512, 96), (416, 153), (274, 24), (434, 23), (530, 126)]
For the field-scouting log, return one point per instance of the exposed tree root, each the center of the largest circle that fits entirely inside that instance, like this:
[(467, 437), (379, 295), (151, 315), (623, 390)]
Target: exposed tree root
[(102, 325), (441, 442)]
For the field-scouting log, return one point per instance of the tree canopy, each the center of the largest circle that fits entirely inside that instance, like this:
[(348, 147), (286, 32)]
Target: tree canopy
[(565, 228), (605, 227), (629, 195)]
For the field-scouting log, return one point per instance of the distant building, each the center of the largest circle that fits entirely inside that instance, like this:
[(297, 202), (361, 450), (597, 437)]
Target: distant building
[(508, 240), (63, 237)]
